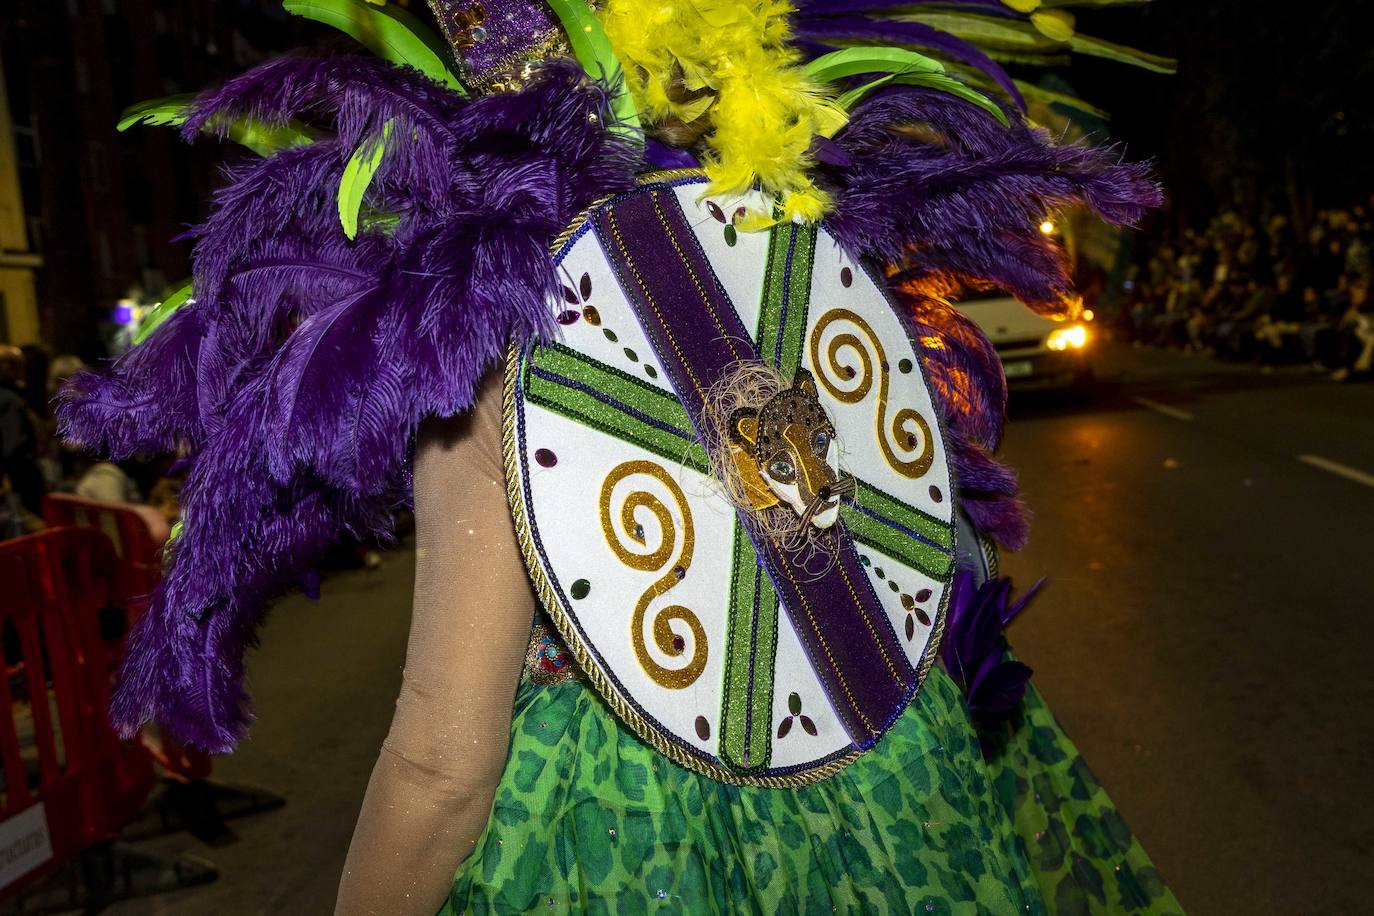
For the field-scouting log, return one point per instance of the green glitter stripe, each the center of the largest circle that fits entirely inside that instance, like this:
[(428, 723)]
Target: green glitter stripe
[(585, 408), (657, 403), (748, 584), (917, 554), (780, 337), (927, 526), (798, 299)]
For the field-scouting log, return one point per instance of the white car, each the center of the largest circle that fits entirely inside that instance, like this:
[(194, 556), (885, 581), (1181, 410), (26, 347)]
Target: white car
[(1036, 352)]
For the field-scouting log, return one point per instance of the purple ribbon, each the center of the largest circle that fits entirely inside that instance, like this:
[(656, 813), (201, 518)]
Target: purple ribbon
[(698, 337)]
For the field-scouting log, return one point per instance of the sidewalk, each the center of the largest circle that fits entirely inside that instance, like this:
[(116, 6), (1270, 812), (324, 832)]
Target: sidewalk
[(324, 681)]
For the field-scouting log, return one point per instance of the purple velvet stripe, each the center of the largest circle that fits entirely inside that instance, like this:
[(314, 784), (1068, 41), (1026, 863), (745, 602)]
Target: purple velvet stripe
[(485, 34), (698, 338)]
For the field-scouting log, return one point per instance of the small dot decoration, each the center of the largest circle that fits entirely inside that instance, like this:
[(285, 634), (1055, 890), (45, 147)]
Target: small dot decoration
[(717, 214), (846, 277), (904, 366), (910, 603), (581, 294), (703, 728), (794, 706), (610, 335), (580, 589), (568, 317), (545, 458), (650, 371), (936, 495), (592, 316)]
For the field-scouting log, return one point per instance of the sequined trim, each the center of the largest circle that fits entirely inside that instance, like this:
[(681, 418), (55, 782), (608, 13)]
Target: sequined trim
[(547, 660)]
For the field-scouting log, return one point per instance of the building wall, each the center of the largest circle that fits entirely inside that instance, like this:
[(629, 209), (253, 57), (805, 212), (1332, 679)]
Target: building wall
[(18, 298), (102, 208)]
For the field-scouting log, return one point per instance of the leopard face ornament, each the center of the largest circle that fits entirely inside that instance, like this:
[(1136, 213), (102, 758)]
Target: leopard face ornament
[(790, 443)]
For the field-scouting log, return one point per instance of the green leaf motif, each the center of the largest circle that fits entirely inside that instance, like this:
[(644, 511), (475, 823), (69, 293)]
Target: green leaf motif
[(357, 177), (387, 31)]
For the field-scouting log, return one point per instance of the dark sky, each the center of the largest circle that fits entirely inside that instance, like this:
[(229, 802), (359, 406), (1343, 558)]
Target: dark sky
[(1272, 101)]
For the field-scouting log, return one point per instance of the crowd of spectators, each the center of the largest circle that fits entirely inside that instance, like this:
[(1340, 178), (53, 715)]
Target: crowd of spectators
[(34, 462), (1260, 290)]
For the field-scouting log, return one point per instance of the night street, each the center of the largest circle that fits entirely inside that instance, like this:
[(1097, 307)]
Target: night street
[(1201, 637)]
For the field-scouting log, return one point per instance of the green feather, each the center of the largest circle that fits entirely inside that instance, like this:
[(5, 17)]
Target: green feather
[(1017, 41), (1034, 93), (259, 136), (357, 176), (900, 66), (174, 300), (870, 59), (387, 31), (937, 81), (1096, 47), (170, 111), (593, 51)]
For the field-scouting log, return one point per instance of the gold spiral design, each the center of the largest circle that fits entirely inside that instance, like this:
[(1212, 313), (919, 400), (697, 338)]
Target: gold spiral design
[(659, 560), (829, 369)]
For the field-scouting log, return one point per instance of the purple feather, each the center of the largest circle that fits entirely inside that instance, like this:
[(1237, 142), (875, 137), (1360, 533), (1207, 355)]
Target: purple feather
[(974, 651), (938, 186), (299, 373)]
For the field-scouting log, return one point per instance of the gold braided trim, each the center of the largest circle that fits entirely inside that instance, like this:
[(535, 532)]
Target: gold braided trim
[(620, 705)]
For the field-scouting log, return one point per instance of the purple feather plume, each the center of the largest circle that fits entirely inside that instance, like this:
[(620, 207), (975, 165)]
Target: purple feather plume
[(974, 651), (970, 391), (297, 376), (936, 185)]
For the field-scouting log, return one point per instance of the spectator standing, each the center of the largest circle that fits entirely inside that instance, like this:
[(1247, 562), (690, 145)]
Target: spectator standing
[(18, 442)]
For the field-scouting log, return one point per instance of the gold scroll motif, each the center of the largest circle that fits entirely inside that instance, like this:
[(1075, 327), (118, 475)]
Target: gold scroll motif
[(660, 559), (830, 370)]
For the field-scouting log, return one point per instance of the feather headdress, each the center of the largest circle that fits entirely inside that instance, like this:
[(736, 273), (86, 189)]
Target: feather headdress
[(393, 238)]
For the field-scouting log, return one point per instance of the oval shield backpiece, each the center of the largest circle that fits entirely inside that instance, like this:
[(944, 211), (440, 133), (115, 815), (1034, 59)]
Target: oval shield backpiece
[(729, 483)]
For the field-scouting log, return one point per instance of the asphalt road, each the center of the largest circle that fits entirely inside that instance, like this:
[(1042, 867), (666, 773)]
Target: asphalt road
[(1203, 639)]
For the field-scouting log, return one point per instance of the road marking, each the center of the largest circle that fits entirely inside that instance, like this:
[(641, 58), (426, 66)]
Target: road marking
[(1341, 470), (1164, 409)]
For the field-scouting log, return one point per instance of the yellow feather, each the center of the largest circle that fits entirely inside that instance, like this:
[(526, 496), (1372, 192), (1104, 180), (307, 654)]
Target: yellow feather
[(765, 112)]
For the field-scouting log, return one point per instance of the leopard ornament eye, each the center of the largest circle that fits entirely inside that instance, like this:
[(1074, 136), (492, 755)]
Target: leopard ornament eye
[(782, 470)]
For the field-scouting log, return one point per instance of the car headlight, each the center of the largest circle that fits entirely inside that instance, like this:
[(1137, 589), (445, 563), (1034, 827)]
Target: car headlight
[(1073, 337)]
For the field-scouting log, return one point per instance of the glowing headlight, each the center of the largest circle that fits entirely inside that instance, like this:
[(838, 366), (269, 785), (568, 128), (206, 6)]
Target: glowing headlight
[(1070, 338)]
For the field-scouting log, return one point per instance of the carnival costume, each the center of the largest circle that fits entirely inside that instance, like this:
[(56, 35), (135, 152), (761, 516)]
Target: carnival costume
[(747, 445)]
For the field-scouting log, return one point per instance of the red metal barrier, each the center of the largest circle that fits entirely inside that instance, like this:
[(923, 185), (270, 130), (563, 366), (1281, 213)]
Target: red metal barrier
[(69, 782)]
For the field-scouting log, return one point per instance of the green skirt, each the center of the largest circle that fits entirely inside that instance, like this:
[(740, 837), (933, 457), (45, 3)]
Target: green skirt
[(587, 818)]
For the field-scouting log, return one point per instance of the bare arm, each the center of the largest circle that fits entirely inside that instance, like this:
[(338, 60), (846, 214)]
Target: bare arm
[(431, 790)]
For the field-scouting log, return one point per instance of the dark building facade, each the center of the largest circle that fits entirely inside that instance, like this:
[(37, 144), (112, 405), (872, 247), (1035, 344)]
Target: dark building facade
[(101, 207)]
